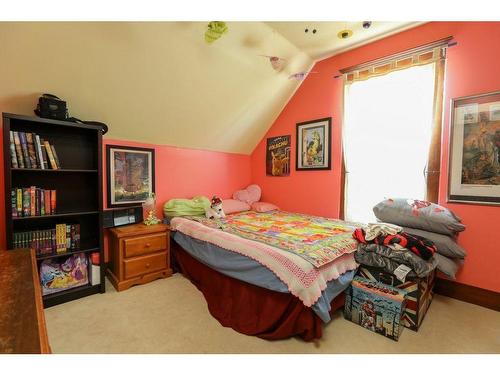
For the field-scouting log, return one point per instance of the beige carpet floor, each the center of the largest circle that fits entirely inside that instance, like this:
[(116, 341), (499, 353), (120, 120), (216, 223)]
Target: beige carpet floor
[(171, 316)]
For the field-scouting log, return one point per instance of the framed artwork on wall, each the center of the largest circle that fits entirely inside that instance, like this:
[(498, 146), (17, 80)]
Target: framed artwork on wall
[(474, 163), (313, 145), (130, 175), (278, 156)]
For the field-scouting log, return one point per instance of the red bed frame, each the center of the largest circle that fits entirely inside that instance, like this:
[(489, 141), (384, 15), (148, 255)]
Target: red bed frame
[(251, 309)]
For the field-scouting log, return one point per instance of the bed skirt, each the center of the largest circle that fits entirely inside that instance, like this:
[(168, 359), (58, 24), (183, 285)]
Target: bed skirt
[(250, 309)]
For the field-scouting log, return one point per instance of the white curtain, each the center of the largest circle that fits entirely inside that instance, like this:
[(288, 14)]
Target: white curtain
[(387, 130)]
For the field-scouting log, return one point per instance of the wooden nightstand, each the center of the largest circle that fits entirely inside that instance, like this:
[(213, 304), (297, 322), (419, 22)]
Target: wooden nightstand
[(138, 254)]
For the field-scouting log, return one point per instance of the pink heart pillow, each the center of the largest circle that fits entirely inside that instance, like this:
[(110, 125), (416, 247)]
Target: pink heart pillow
[(249, 195)]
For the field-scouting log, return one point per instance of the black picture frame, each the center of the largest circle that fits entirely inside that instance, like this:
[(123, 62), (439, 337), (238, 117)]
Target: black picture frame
[(111, 174), (326, 125)]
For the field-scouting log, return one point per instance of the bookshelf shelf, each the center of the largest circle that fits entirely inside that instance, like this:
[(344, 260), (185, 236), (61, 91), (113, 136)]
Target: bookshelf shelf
[(77, 182), (50, 256), (70, 294), (66, 214), (55, 170)]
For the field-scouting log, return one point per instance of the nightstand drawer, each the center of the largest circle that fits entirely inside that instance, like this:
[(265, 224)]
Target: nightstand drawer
[(145, 244), (145, 264)]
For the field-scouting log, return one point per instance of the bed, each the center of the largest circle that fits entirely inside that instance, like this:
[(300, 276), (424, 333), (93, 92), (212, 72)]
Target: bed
[(273, 275)]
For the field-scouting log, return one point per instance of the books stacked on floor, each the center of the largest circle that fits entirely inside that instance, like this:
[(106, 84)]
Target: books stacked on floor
[(33, 201), (62, 239), (29, 150)]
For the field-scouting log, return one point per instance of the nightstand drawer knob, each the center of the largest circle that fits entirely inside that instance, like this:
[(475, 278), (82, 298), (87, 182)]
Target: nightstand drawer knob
[(148, 265), (148, 245)]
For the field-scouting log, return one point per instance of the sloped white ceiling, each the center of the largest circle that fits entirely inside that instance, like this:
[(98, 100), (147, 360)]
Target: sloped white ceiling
[(157, 82), (321, 40)]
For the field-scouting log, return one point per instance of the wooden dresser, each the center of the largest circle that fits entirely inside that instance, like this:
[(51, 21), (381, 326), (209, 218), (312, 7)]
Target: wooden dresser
[(138, 254), (22, 322)]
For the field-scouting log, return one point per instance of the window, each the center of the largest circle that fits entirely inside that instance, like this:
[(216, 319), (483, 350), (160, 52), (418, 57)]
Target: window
[(389, 125)]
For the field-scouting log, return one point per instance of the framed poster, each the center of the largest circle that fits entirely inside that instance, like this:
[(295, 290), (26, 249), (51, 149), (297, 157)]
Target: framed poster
[(131, 177), (313, 145), (278, 156), (474, 164)]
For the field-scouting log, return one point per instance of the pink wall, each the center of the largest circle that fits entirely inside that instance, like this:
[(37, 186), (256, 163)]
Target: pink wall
[(180, 173), (184, 173), (472, 68)]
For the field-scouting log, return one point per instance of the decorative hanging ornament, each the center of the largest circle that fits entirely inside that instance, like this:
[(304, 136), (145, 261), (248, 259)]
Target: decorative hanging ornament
[(300, 76), (215, 30), (277, 63)]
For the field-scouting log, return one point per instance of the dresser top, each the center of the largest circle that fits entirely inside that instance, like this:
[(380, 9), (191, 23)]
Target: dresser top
[(21, 311), (138, 229)]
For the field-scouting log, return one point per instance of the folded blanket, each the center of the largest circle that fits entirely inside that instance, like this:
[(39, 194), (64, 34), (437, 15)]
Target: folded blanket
[(421, 246), (389, 259), (374, 230), (186, 207)]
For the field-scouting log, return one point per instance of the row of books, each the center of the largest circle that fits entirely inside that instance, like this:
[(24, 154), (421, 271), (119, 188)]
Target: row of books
[(33, 201), (28, 150), (61, 239)]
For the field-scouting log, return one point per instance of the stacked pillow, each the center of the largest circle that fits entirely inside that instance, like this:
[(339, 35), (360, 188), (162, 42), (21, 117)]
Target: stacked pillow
[(431, 221), (231, 206), (250, 198)]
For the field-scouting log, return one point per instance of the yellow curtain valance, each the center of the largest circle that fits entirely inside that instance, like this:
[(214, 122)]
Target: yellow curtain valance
[(426, 54)]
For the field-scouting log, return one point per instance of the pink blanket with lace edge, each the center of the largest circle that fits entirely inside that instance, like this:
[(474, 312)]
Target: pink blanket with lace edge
[(302, 279)]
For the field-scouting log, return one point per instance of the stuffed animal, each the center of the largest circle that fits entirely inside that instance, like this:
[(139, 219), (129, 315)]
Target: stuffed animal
[(215, 210)]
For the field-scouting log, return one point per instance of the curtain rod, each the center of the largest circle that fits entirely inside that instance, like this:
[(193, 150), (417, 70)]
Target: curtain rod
[(445, 42)]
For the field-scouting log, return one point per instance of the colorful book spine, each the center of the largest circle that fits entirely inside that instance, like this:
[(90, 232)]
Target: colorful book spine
[(31, 150), (13, 156), (68, 237), (13, 200), (53, 202), (26, 202), (61, 238), (19, 150), (19, 202), (38, 211), (46, 201), (42, 202), (52, 161), (32, 201), (56, 159), (44, 154), (24, 146), (53, 239), (39, 154)]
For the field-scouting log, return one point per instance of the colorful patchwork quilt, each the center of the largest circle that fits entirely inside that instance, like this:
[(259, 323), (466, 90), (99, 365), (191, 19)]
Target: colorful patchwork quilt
[(318, 240)]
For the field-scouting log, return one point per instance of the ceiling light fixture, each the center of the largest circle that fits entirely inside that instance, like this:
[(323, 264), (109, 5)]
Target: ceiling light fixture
[(344, 34)]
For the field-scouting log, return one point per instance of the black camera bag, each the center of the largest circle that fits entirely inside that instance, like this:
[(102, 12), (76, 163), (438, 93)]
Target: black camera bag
[(50, 106)]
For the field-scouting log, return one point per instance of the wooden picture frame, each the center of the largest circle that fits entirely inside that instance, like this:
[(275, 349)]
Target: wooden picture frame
[(474, 160), (313, 145), (130, 175)]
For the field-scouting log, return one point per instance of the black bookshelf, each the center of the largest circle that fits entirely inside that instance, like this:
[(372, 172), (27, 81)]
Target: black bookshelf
[(78, 184)]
